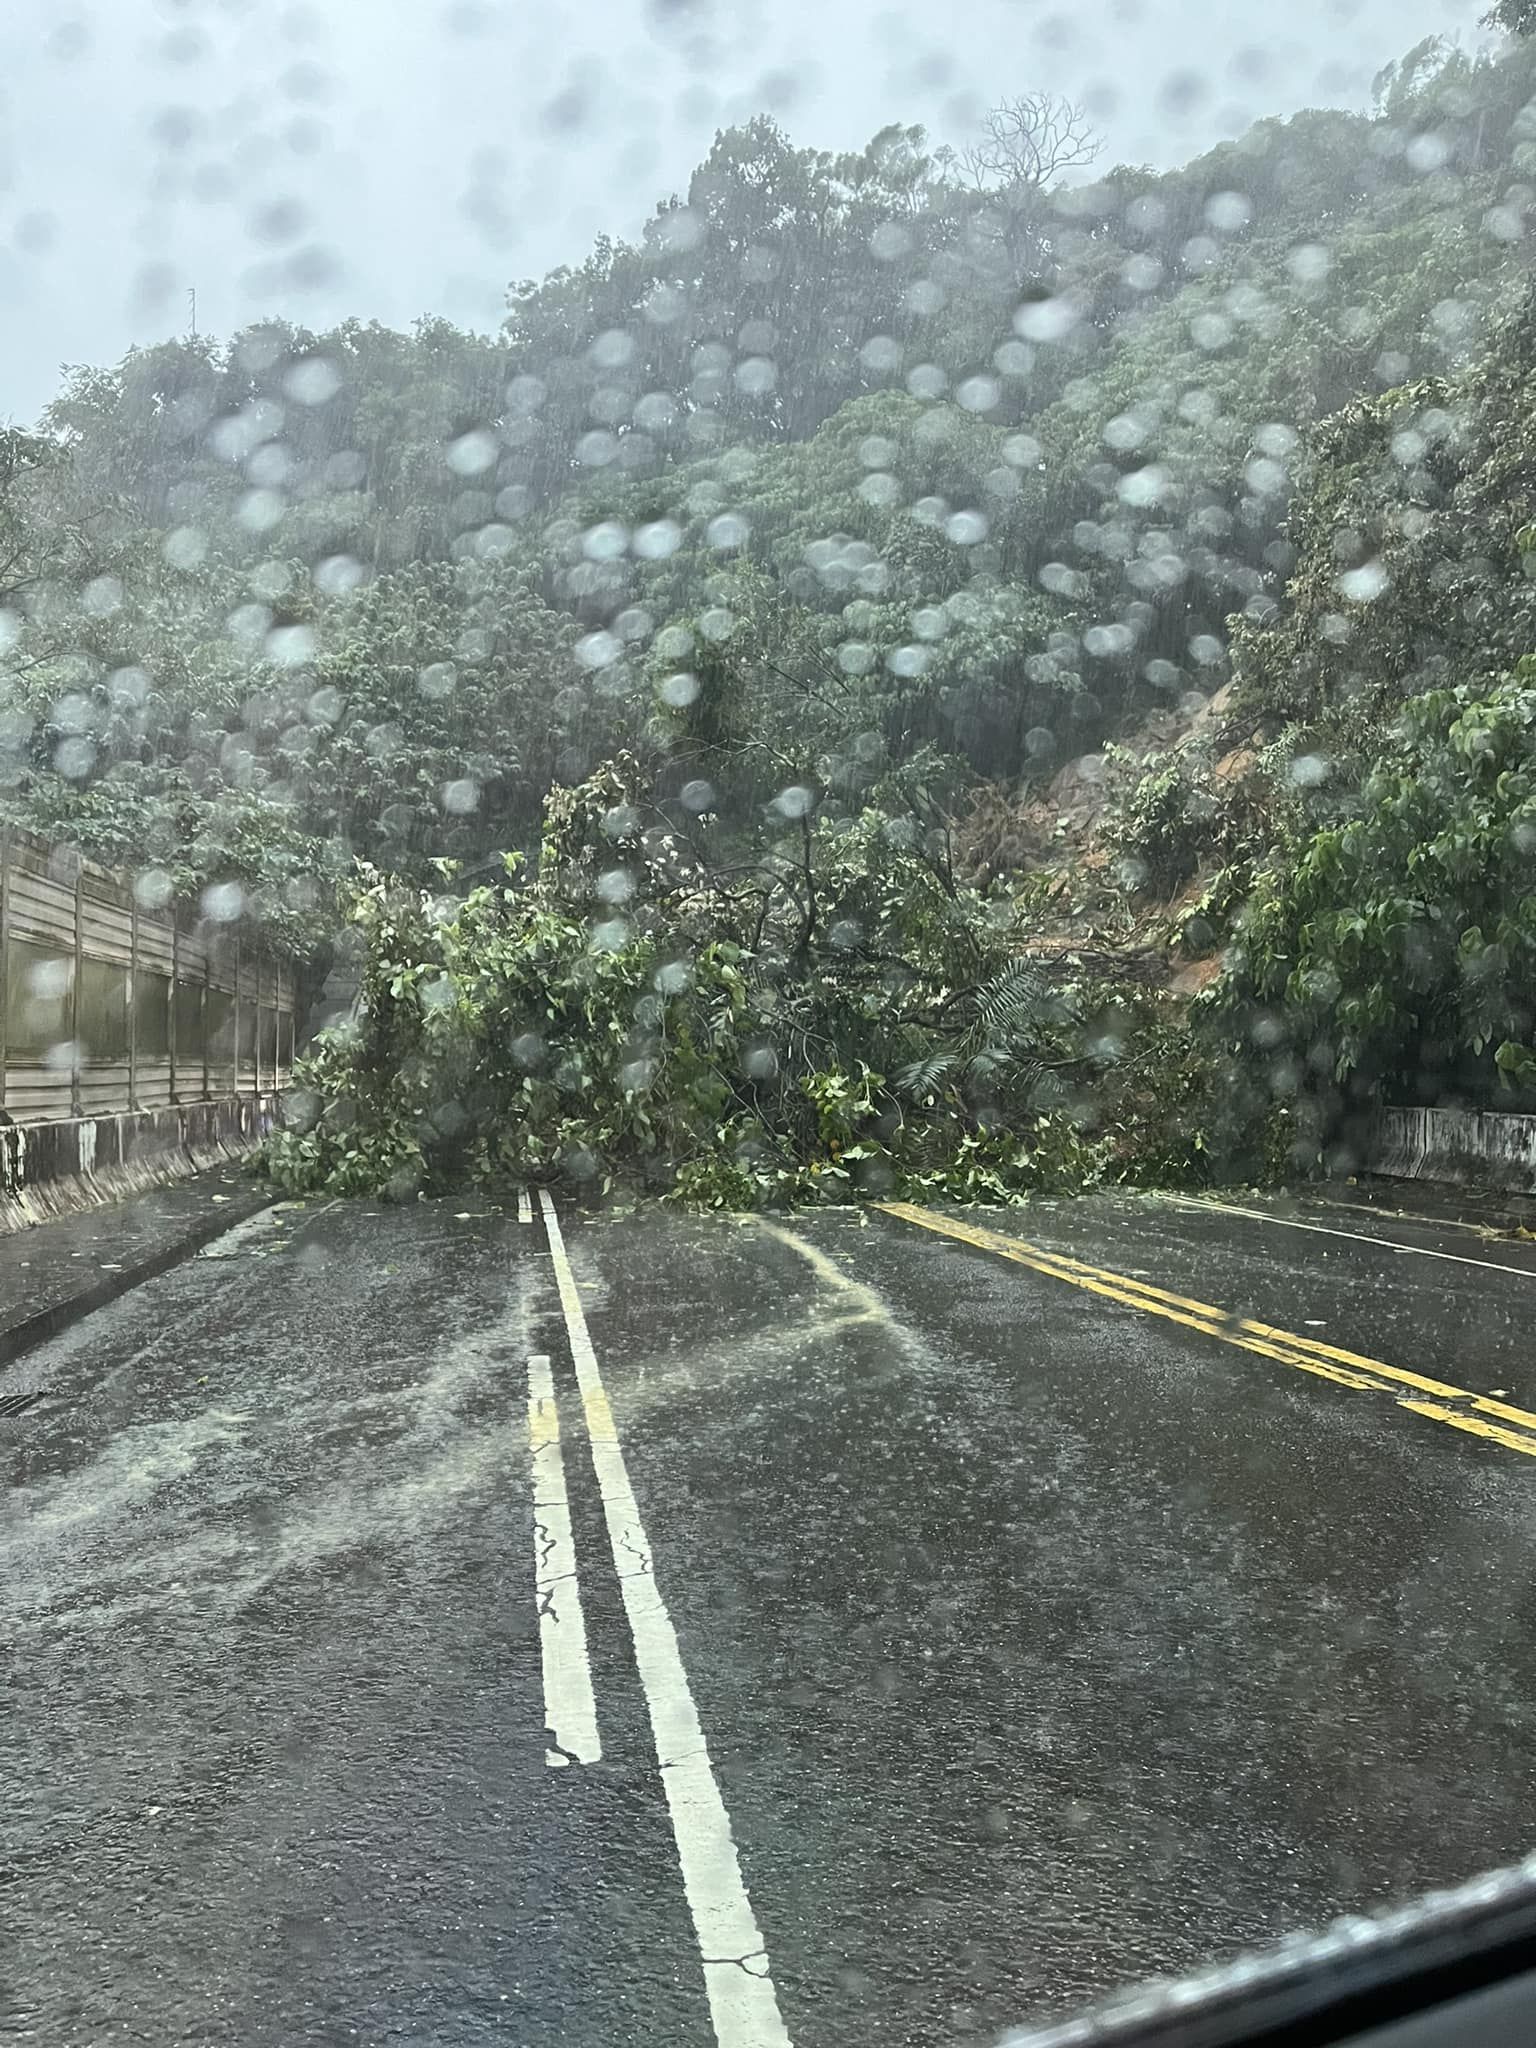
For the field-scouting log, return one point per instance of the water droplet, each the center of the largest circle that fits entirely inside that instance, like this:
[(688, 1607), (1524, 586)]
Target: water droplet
[(472, 453), (525, 394), (250, 623), (679, 228), (1142, 273), (794, 802), (47, 980), (259, 511), (223, 902), (1363, 585), (1227, 212), (728, 531), (312, 380), (1267, 479), (291, 646), (612, 350), (152, 889), (127, 688), (606, 541), (679, 690), (1210, 331), (337, 574), (879, 488), (1047, 320), (1309, 263), (460, 796), (597, 449), (656, 411), (757, 376), (598, 650), (1153, 485), (658, 539)]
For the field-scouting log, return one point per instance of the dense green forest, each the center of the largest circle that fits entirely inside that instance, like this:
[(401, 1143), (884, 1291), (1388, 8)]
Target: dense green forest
[(758, 565)]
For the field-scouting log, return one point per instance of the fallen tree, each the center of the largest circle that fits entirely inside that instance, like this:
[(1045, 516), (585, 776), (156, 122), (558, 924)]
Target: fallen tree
[(835, 1015)]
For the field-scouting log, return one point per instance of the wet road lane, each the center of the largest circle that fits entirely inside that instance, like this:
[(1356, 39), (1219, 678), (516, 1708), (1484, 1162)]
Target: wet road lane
[(276, 1759), (1038, 1642)]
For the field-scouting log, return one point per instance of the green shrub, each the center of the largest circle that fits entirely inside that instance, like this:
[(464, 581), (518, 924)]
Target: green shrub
[(1400, 945), (1159, 819)]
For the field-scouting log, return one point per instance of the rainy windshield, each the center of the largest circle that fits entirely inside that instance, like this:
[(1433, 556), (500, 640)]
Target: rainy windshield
[(767, 1004)]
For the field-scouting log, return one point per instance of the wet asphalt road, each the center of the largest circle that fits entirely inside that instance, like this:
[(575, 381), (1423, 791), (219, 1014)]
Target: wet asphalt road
[(1040, 1641)]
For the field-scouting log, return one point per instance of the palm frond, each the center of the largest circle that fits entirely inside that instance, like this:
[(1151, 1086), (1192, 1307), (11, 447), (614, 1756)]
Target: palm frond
[(920, 1079), (1021, 1073), (1018, 995), (1027, 1074)]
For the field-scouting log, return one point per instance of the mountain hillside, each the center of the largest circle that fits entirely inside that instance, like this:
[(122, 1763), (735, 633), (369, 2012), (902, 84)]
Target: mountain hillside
[(1123, 538)]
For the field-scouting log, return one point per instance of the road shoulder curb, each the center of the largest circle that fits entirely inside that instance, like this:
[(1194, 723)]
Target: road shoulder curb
[(28, 1331)]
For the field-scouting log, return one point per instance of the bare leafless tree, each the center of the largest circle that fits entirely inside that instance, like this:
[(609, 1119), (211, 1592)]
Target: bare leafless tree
[(1026, 146), (1030, 142)]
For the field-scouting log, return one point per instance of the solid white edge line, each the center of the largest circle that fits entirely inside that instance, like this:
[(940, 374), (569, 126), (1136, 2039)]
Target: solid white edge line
[(1382, 1244), (743, 2003), (570, 1711)]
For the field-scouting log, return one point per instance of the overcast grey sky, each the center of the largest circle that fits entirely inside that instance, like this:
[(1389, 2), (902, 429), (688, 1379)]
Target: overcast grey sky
[(393, 157)]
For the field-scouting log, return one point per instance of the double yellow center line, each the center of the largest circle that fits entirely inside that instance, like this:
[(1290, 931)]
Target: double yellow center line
[(1514, 1428)]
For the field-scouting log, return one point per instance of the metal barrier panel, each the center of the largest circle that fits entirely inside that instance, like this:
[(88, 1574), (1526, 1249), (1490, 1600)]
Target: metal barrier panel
[(153, 985), (1474, 1148), (39, 967), (107, 1008)]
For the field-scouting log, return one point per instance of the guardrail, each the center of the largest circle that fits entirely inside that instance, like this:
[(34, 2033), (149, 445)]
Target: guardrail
[(1470, 1147), (107, 1007)]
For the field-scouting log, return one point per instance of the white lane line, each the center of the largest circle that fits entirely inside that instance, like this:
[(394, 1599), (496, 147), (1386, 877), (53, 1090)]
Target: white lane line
[(743, 2003), (570, 1712), (1382, 1244), (524, 1207)]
